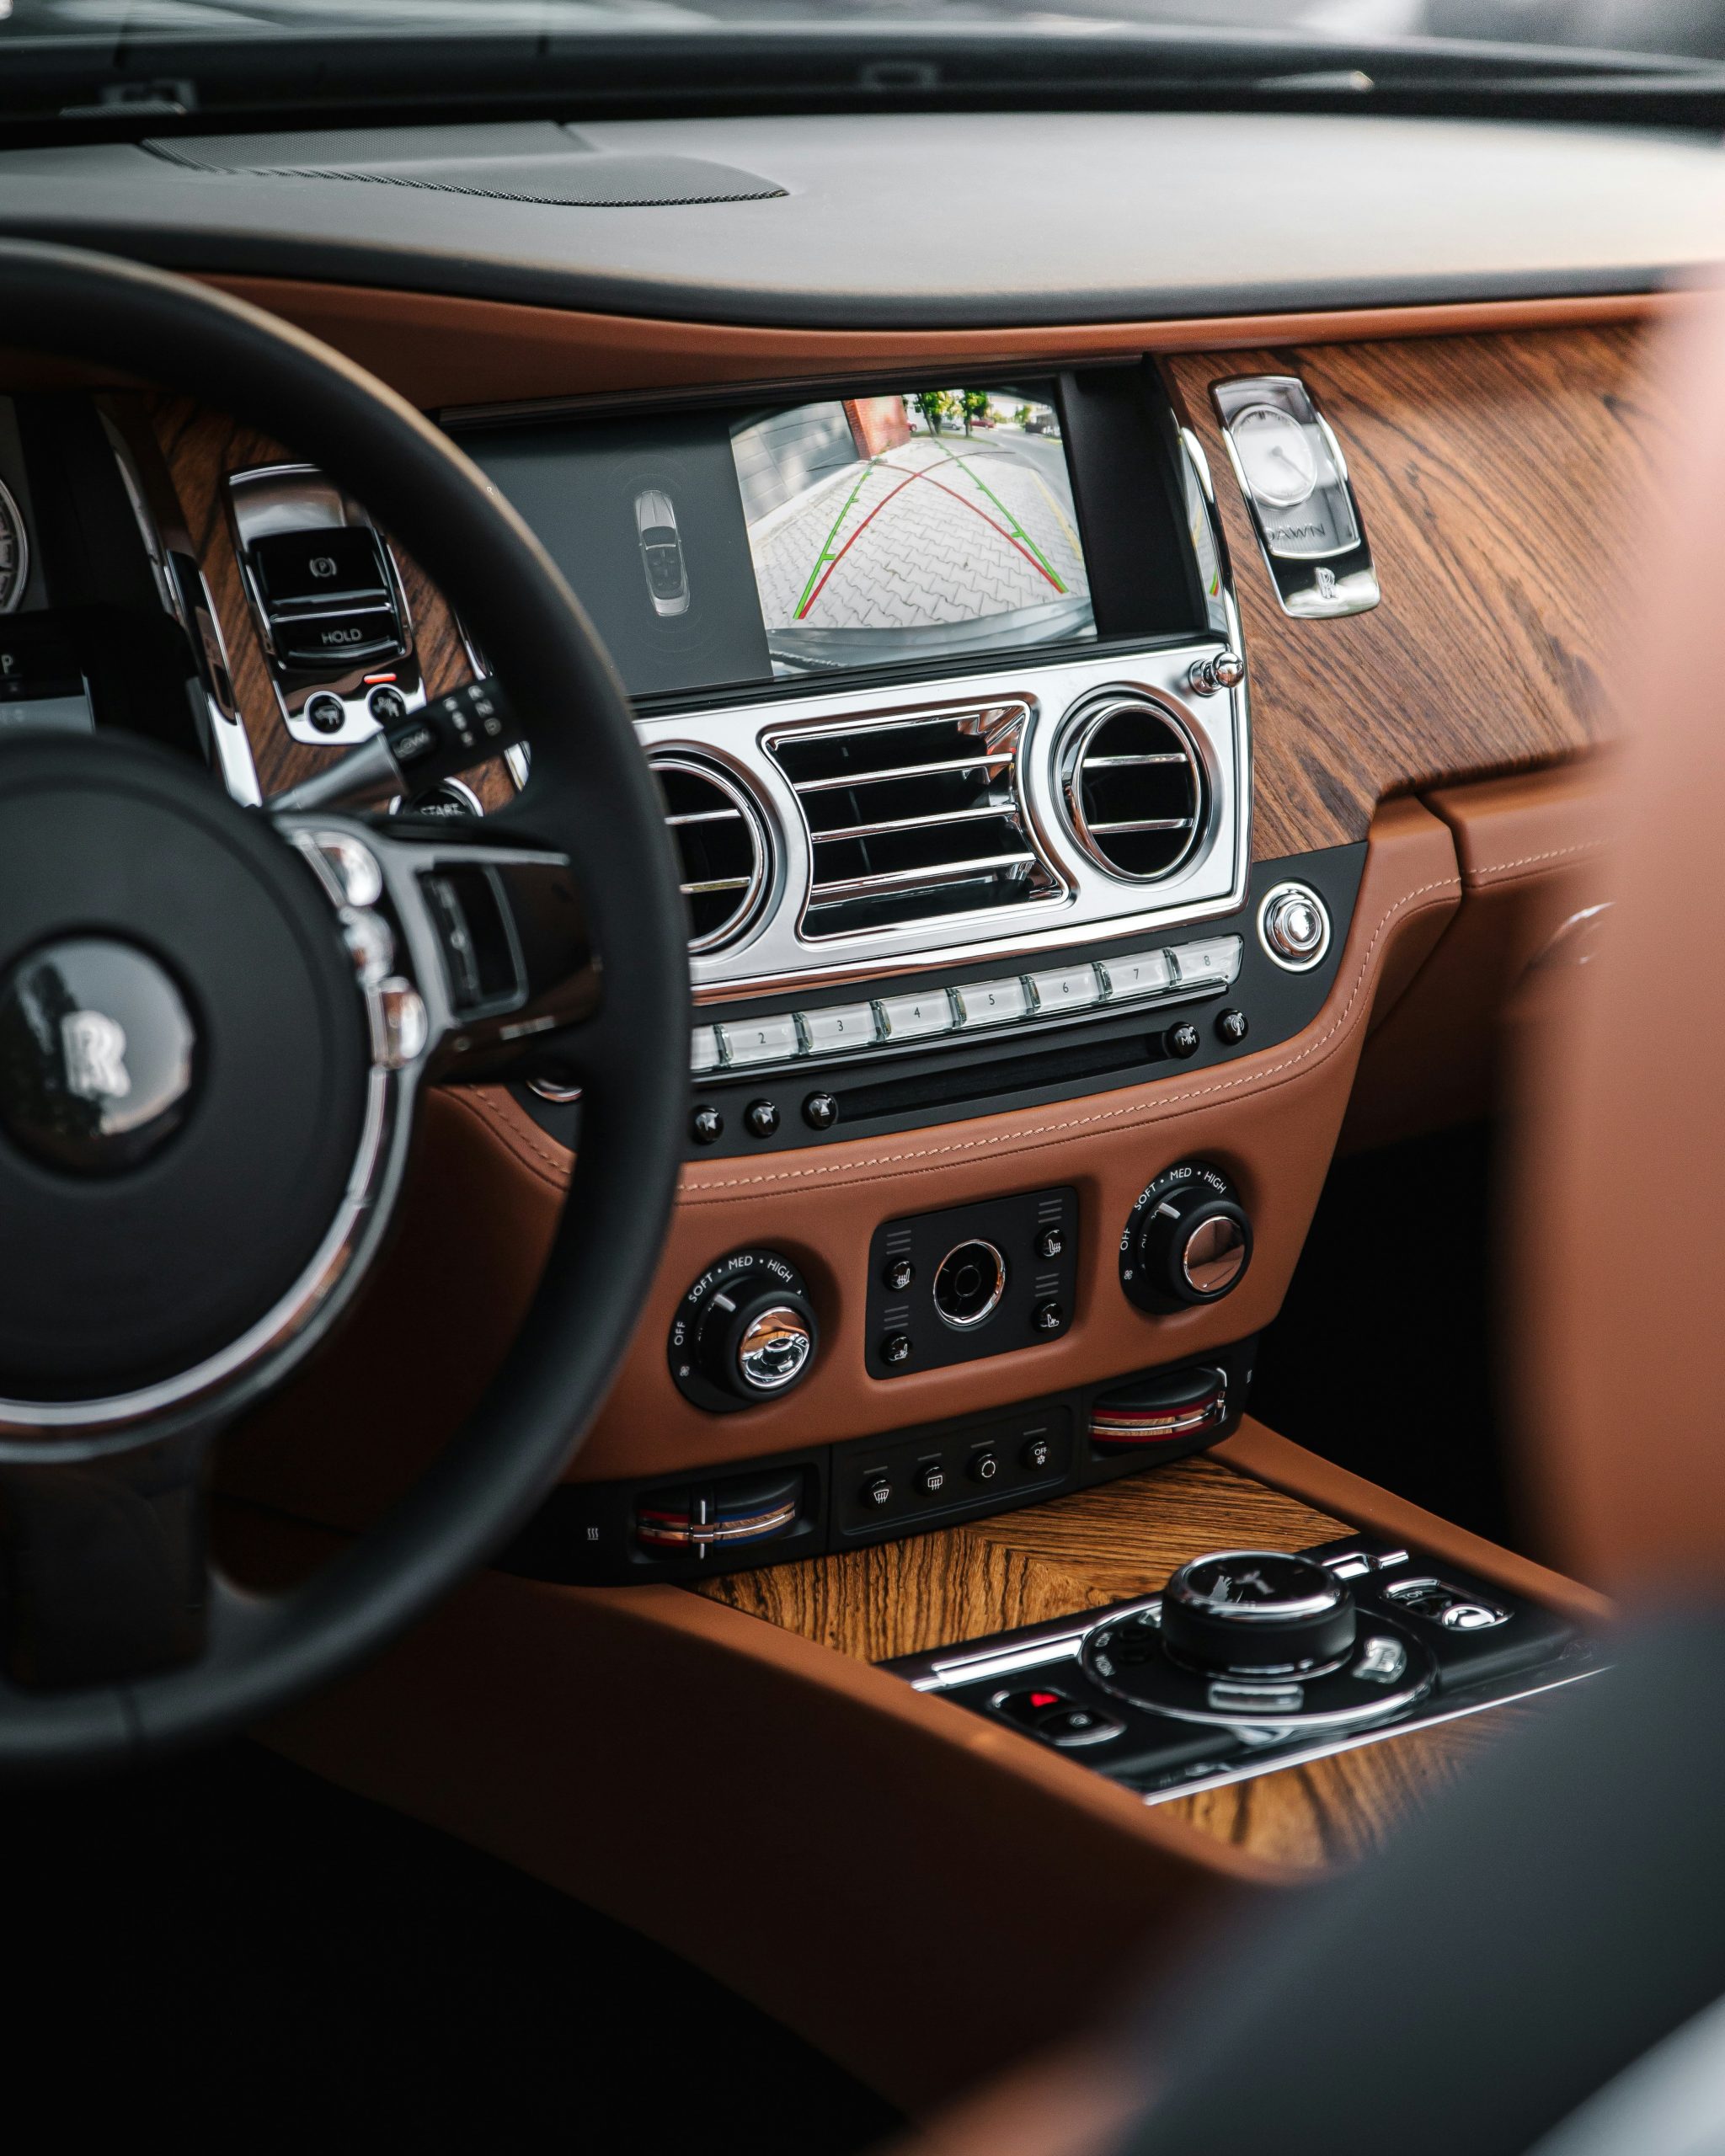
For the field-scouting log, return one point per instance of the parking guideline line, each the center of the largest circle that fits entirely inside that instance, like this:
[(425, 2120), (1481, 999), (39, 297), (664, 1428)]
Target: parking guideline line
[(1018, 531), (803, 604)]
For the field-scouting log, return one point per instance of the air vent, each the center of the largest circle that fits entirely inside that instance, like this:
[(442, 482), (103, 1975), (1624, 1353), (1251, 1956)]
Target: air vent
[(721, 848), (1134, 788), (915, 818)]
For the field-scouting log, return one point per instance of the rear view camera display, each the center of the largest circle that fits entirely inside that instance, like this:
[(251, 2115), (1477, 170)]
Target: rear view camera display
[(888, 529)]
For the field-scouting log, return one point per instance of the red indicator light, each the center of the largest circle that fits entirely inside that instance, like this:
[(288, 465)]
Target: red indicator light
[(376, 681), (1044, 1699)]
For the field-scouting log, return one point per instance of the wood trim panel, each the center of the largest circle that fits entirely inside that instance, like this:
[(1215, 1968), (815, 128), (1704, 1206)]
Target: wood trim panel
[(439, 350), (1101, 1546), (1503, 480), (201, 447)]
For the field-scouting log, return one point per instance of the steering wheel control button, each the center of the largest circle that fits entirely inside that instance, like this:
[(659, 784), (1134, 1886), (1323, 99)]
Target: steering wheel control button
[(990, 1279), (1231, 1027), (820, 1110), (760, 1118), (745, 1333), (1169, 1408), (405, 1025), (1188, 1239), (97, 1055), (895, 1349), (705, 1126), (1294, 927), (327, 713), (1182, 1041)]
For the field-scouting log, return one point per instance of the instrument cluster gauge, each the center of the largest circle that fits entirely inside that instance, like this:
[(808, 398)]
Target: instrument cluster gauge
[(14, 552), (1295, 479)]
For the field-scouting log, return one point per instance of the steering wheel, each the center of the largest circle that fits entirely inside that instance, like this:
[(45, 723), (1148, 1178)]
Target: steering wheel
[(216, 1029)]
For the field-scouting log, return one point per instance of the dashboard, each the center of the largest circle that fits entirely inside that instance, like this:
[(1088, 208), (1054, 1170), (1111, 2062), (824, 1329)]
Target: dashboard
[(1052, 683)]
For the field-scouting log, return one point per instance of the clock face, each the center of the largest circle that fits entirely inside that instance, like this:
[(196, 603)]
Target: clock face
[(1275, 455)]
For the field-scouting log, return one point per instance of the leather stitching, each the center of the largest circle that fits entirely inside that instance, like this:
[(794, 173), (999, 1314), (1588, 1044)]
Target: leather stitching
[(1500, 870), (1148, 1112)]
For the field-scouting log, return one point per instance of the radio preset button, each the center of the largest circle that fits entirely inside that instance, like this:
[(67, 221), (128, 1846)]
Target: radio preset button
[(1075, 989), (703, 1049), (993, 1002), (761, 1040), (846, 1026), (1143, 973), (1215, 964), (907, 1017)]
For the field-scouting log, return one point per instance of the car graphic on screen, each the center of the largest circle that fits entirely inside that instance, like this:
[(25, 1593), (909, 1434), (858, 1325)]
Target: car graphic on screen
[(661, 552)]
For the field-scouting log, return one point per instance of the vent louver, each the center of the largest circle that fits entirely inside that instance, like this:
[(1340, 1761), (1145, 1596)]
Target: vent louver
[(1132, 786), (914, 819), (721, 847)]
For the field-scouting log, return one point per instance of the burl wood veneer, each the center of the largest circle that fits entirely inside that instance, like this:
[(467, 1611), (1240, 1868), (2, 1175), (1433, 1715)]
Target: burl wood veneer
[(1102, 1546), (1503, 480)]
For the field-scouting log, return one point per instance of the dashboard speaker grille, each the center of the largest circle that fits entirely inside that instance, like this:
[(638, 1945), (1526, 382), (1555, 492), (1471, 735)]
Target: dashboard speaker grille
[(914, 819), (721, 846), (1134, 788)]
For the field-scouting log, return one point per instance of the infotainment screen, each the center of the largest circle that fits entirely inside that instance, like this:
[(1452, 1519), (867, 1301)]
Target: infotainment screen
[(718, 548), (930, 524)]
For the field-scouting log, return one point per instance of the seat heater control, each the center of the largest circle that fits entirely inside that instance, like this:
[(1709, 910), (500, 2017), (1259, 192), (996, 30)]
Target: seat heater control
[(1188, 1239), (898, 1274), (896, 1350), (1294, 927), (1048, 1317), (745, 1333), (978, 1279), (1050, 1242)]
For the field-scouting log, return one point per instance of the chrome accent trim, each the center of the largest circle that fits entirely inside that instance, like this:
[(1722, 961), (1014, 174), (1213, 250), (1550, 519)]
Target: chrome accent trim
[(1277, 895), (1081, 728), (1306, 587), (771, 955), (21, 568), (741, 803), (978, 1317)]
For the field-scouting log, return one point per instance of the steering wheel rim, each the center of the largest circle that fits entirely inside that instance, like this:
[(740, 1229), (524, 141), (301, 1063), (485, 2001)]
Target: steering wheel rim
[(592, 798)]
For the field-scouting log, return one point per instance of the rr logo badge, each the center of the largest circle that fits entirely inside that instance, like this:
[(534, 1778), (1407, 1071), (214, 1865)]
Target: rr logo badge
[(93, 1045), (1326, 579)]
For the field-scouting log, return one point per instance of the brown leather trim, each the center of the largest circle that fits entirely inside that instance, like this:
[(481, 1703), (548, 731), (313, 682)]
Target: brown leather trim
[(1260, 1453), (1511, 829), (438, 351), (772, 1811)]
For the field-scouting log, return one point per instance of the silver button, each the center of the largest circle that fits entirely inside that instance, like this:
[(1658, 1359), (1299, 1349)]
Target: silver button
[(1214, 964), (1471, 1617), (846, 1026), (406, 1028), (1143, 973), (993, 1002), (703, 1049), (903, 1018), (1074, 990), (1382, 1659), (1294, 927), (761, 1040)]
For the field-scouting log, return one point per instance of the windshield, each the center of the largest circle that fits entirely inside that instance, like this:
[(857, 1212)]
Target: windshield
[(1684, 29)]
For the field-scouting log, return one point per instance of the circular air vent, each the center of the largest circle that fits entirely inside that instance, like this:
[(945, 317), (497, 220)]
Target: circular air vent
[(721, 846), (1132, 786)]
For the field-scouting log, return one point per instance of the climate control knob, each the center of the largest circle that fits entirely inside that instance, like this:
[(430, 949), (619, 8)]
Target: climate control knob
[(745, 1333), (1188, 1239)]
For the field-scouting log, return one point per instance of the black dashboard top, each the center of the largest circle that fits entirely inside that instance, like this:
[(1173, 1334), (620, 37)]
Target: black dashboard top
[(893, 219)]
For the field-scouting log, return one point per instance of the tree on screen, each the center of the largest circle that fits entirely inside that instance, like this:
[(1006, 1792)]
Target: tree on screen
[(975, 404), (935, 405)]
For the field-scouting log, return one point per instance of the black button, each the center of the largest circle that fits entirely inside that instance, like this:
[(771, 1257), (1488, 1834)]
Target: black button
[(1050, 1242), (1030, 1705), (895, 1348), (984, 1467), (339, 640), (706, 1125), (1047, 1317), (1232, 1026), (1036, 1454), (1064, 1726), (877, 1491), (326, 714), (820, 1110), (387, 705), (323, 567), (762, 1117), (898, 1273), (442, 802), (1183, 1040), (930, 1478)]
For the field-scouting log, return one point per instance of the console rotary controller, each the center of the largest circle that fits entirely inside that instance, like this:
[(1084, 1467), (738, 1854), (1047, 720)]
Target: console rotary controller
[(745, 1333), (1258, 1612), (1188, 1239)]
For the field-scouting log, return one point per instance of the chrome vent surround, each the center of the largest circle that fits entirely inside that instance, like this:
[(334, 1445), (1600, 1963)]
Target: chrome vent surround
[(914, 818), (722, 847), (1132, 786)]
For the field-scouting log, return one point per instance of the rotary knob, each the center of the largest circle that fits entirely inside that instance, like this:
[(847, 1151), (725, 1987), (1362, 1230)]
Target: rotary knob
[(745, 1333), (1188, 1239), (1294, 926), (1258, 1614)]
